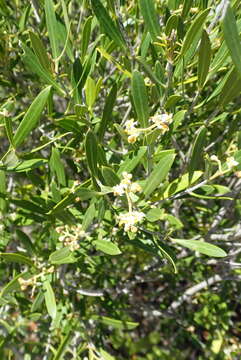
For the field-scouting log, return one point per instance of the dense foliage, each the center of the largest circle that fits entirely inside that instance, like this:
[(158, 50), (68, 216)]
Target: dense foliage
[(120, 177)]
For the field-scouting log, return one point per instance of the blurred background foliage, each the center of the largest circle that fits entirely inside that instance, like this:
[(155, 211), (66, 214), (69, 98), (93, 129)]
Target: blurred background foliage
[(120, 179)]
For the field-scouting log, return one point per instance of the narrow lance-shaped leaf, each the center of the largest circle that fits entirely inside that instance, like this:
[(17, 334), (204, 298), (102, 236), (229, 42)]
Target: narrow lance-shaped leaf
[(204, 58), (231, 88), (140, 98), (91, 148), (193, 33), (57, 166), (107, 23), (9, 129), (52, 27), (110, 177), (31, 117), (196, 154), (32, 62), (62, 256), (88, 216), (232, 38), (131, 162), (150, 17), (86, 36), (107, 247), (202, 247), (107, 112), (158, 174), (115, 322), (3, 202), (16, 257), (40, 51), (49, 299)]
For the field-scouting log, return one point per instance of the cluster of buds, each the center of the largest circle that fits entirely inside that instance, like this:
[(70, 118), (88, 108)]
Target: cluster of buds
[(70, 235), (132, 131), (32, 281), (230, 162), (126, 186), (25, 283), (160, 122), (131, 218)]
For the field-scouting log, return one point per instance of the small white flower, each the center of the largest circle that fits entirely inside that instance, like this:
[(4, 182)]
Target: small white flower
[(130, 219), (135, 187), (132, 138), (231, 162), (132, 131), (214, 158), (130, 125), (162, 121), (119, 190)]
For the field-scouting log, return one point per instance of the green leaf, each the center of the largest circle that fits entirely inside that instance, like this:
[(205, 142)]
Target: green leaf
[(40, 51), (86, 36), (9, 130), (197, 150), (90, 92), (31, 117), (202, 247), (52, 27), (63, 346), (154, 214), (57, 166), (88, 216), (232, 38), (150, 17), (181, 184), (158, 174), (34, 65), (118, 324), (91, 149), (107, 247), (231, 88), (194, 31), (171, 24), (105, 355), (27, 165), (204, 58), (110, 177), (49, 299), (18, 258), (109, 26), (3, 189), (107, 112), (140, 98), (172, 101), (167, 252), (81, 192), (132, 161), (62, 256), (13, 285), (25, 240)]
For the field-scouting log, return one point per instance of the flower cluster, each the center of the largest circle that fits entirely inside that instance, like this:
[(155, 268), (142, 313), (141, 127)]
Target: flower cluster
[(160, 122), (32, 281), (70, 235), (230, 162), (126, 186), (132, 131), (129, 220)]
